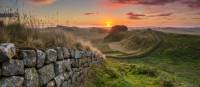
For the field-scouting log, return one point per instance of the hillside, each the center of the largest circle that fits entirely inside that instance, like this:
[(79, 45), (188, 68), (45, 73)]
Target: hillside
[(133, 43), (177, 56)]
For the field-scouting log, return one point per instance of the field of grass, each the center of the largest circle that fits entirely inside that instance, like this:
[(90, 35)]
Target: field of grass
[(178, 57), (175, 62), (135, 43), (24, 37), (117, 74)]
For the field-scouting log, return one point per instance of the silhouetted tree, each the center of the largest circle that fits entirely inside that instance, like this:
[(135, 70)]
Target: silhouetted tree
[(118, 28), (1, 24)]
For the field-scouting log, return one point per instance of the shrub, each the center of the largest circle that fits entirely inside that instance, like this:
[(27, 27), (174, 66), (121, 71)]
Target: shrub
[(167, 80), (144, 70), (1, 24), (118, 28), (166, 83), (111, 72)]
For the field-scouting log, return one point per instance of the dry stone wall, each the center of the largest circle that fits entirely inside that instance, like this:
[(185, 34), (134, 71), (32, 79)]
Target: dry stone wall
[(54, 67)]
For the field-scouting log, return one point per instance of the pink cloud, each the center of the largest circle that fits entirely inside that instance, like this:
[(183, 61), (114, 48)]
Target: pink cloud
[(193, 3), (134, 15), (189, 3), (90, 13), (196, 18), (162, 14), (116, 4), (108, 4), (198, 13), (143, 2), (43, 2)]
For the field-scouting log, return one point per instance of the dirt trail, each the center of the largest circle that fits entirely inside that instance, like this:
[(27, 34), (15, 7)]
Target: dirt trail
[(180, 31), (116, 46)]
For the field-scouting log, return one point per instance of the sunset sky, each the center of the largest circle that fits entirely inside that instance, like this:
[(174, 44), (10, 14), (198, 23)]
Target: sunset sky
[(136, 13)]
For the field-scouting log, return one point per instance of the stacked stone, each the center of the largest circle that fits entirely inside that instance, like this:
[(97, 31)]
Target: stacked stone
[(58, 67)]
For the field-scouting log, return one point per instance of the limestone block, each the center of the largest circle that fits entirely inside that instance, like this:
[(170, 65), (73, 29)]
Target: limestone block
[(7, 51), (67, 63), (59, 67), (46, 73), (51, 56), (13, 81), (65, 84), (31, 77), (59, 80), (60, 53), (51, 84), (66, 53), (66, 75), (62, 66), (40, 58), (72, 53), (29, 57), (78, 54), (13, 67)]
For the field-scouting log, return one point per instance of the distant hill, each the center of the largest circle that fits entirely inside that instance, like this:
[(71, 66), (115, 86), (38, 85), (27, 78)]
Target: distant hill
[(133, 43), (190, 31), (175, 58)]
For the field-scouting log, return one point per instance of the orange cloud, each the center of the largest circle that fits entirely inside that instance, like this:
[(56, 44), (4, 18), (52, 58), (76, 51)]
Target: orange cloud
[(111, 5), (43, 2), (193, 3), (162, 14), (90, 13), (134, 15), (119, 3), (143, 2)]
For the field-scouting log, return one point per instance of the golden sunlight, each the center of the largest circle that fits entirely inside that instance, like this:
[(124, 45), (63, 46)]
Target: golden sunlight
[(108, 24)]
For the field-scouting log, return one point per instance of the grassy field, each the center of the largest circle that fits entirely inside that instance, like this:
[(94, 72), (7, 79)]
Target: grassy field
[(178, 55), (118, 74), (175, 62), (24, 37), (139, 43)]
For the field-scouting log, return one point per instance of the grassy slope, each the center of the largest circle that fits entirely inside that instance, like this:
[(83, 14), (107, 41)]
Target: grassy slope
[(35, 38), (133, 44), (116, 74), (178, 56), (24, 37)]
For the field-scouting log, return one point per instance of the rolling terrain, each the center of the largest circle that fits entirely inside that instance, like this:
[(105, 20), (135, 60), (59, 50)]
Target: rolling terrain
[(172, 59), (136, 44), (145, 58), (189, 31)]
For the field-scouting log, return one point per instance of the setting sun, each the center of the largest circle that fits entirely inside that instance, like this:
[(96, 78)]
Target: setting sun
[(99, 43), (108, 24)]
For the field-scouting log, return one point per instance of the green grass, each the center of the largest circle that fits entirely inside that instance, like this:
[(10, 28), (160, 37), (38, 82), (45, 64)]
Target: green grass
[(35, 38), (139, 42), (103, 47), (178, 55), (24, 37), (116, 74), (177, 60)]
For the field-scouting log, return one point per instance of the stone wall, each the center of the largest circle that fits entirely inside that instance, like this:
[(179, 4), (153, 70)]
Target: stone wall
[(55, 67)]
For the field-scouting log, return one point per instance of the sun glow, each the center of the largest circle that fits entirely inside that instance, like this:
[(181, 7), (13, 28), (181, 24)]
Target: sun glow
[(108, 24)]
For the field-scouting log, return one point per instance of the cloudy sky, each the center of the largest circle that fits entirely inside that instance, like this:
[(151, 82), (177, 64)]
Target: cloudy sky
[(101, 12)]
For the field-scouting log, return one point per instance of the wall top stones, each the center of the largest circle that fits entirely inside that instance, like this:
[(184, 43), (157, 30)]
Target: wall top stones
[(7, 51)]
